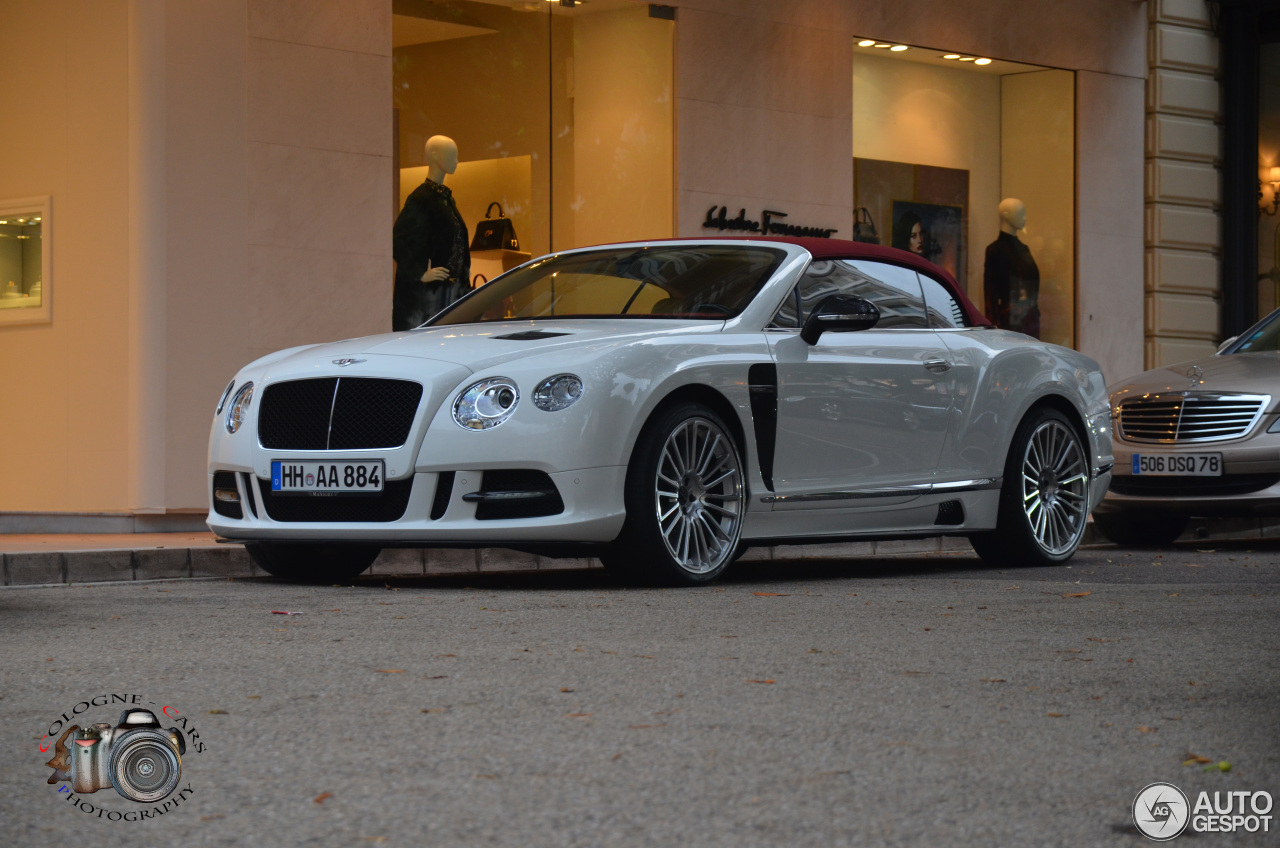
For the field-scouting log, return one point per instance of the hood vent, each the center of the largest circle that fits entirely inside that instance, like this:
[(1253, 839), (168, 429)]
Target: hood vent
[(530, 335)]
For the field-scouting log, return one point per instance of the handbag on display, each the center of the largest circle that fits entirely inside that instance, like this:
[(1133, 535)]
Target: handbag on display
[(864, 228), (495, 233), (478, 280)]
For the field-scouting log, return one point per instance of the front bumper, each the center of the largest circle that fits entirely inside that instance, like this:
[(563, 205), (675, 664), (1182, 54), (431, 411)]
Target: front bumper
[(593, 512), (1249, 485)]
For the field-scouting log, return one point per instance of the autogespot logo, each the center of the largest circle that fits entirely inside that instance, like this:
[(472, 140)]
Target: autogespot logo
[(137, 757), (1161, 812)]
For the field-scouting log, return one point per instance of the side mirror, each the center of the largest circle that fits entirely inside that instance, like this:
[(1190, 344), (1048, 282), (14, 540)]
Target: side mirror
[(1226, 343), (839, 313)]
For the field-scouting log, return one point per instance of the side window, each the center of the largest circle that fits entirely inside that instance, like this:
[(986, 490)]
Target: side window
[(788, 314), (895, 291), (944, 310)]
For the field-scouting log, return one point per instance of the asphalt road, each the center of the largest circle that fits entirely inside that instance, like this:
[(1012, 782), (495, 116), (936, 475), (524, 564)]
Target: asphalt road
[(915, 701)]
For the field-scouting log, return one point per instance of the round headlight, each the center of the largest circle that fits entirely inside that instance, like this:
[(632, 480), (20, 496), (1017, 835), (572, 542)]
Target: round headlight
[(225, 395), (239, 407), (556, 393), (486, 404)]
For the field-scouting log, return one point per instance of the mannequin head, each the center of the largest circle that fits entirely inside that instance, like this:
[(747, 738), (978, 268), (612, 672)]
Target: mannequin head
[(442, 157), (1013, 215)]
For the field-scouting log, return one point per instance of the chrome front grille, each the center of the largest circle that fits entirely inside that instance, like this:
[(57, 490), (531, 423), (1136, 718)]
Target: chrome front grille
[(1189, 417)]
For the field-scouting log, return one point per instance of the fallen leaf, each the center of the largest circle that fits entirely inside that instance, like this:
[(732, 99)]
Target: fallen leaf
[(770, 594), (1012, 588), (320, 799), (284, 612), (219, 712), (333, 610), (1055, 715), (565, 689), (760, 681), (617, 755), (928, 628), (1195, 759), (389, 670), (1077, 594), (994, 680), (577, 715), (1144, 729), (253, 697), (432, 710), (1224, 766), (1192, 565)]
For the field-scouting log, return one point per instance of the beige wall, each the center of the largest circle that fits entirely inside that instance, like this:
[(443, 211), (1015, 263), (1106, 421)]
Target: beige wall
[(930, 115), (63, 132)]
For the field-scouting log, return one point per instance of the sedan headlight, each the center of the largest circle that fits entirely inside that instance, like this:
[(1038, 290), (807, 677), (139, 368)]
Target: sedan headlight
[(557, 393), (223, 402), (486, 404), (239, 407)]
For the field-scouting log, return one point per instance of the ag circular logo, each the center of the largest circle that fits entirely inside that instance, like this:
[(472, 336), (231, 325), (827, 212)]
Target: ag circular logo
[(1161, 812)]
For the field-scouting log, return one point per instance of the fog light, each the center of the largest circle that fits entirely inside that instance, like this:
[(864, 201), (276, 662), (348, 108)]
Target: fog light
[(227, 495)]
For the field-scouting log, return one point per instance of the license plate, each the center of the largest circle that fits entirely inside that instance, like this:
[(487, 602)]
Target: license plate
[(318, 478), (1178, 465)]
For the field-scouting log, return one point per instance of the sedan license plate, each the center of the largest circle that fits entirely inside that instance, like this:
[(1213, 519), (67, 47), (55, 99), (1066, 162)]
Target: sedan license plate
[(318, 478), (1178, 465)]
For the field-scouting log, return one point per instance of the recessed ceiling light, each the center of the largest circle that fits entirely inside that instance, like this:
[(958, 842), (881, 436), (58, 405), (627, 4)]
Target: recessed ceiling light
[(882, 45), (966, 58), (982, 61), (4, 222), (952, 56), (898, 48), (35, 219), (22, 220), (866, 42)]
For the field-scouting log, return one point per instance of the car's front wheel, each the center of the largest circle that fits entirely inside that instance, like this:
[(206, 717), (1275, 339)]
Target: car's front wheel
[(1134, 527), (309, 562), (685, 500), (1044, 500)]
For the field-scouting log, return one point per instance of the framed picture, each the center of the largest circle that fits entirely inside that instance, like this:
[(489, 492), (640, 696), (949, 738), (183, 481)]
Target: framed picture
[(932, 230)]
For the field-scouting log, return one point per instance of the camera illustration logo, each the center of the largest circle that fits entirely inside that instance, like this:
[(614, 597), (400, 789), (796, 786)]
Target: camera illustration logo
[(1161, 812), (138, 757)]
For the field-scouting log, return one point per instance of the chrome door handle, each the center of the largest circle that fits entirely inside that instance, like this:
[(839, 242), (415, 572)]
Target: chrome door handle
[(937, 365)]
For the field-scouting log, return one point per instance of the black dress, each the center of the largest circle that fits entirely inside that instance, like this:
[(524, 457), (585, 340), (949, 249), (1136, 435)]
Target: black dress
[(428, 229), (1011, 284)]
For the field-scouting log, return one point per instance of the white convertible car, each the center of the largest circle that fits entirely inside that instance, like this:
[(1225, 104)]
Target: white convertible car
[(665, 405)]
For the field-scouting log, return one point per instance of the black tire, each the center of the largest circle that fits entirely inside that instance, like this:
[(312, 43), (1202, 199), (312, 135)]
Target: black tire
[(688, 534), (312, 562), (1040, 523), (1141, 527)]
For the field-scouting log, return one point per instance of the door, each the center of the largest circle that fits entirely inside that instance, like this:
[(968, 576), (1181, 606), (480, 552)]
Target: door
[(860, 411)]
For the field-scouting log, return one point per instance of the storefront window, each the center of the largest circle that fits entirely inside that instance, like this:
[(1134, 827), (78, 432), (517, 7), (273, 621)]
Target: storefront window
[(23, 260), (970, 162), (1269, 177), (562, 118)]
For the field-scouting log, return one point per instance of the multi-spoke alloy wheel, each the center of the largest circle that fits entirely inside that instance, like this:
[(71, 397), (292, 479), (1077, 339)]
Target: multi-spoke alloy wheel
[(1044, 499), (1055, 482), (698, 489), (685, 500)]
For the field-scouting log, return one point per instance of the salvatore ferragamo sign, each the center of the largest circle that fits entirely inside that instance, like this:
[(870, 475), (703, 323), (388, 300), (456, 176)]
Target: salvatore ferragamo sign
[(768, 225)]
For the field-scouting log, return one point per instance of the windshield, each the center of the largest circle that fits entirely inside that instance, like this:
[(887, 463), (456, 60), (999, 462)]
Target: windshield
[(674, 281), (1262, 337)]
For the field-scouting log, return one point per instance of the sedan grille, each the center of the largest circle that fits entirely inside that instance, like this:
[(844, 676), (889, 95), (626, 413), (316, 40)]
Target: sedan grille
[(332, 413), (1186, 417)]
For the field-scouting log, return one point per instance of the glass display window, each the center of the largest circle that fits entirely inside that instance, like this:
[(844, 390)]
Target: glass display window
[(969, 161), (24, 261), (1268, 177), (562, 116)]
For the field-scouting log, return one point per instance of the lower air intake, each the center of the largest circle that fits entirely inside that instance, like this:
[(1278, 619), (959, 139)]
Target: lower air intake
[(950, 513), (388, 505)]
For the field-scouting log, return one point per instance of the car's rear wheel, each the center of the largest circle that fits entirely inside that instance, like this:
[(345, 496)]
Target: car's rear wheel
[(311, 562), (1141, 527), (685, 501), (1044, 501)]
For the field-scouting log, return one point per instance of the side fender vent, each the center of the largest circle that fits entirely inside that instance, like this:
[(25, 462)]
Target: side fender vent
[(763, 380), (950, 513)]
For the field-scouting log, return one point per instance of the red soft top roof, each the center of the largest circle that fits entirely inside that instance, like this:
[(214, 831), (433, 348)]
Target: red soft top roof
[(822, 248)]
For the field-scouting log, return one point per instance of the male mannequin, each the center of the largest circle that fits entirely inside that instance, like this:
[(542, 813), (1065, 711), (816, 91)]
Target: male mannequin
[(429, 243), (1011, 280)]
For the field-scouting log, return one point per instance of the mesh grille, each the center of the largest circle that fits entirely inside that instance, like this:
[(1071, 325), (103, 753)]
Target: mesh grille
[(351, 413), (1190, 487), (226, 480), (295, 415), (389, 505), (1188, 418), (950, 513)]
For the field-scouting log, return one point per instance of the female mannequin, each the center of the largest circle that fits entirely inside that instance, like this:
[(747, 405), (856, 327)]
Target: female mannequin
[(1011, 279), (429, 243)]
